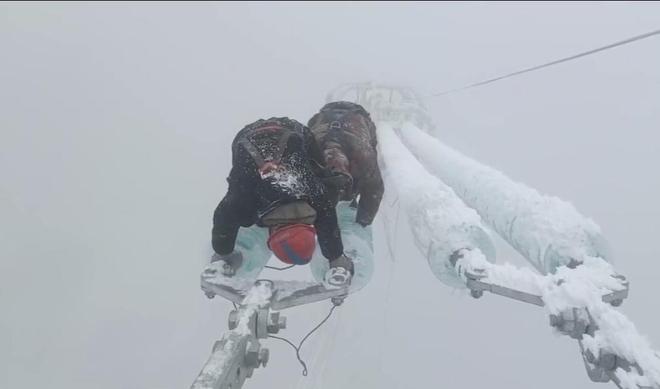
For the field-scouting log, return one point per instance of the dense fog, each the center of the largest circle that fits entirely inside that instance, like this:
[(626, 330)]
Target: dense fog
[(115, 126)]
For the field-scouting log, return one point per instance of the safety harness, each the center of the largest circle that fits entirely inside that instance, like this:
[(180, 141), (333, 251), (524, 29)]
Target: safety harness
[(279, 212), (338, 125), (283, 131)]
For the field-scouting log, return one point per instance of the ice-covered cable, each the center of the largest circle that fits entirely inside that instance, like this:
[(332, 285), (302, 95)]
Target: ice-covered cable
[(552, 63), (547, 231), (441, 223)]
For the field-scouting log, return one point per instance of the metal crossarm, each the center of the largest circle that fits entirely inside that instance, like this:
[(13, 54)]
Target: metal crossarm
[(239, 352), (602, 362)]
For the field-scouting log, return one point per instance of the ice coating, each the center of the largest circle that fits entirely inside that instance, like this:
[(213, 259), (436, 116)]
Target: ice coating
[(251, 242), (233, 341), (547, 231), (216, 364), (582, 288), (213, 274), (440, 221), (288, 288)]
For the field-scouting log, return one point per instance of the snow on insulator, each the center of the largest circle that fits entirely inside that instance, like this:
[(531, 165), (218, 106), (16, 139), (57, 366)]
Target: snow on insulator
[(547, 231), (440, 222)]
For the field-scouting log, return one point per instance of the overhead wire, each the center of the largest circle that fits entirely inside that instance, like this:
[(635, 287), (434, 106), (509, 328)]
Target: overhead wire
[(299, 347), (279, 268), (551, 63)]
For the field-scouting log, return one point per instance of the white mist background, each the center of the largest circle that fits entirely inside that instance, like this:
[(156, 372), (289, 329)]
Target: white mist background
[(115, 125)]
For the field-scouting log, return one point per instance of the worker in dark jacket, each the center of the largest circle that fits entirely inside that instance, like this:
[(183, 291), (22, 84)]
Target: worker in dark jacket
[(275, 182), (347, 138)]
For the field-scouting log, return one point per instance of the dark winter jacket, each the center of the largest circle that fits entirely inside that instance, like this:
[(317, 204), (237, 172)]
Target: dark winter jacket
[(347, 138), (256, 186)]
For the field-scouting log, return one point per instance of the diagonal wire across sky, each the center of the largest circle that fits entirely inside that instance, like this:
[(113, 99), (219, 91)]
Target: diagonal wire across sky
[(552, 63)]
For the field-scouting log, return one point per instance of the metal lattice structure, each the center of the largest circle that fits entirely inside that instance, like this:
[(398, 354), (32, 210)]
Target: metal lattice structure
[(390, 103)]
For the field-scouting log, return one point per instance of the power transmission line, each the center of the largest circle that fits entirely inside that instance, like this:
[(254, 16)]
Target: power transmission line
[(556, 62)]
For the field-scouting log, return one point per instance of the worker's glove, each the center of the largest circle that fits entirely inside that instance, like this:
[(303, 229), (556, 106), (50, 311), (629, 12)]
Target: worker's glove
[(340, 184), (363, 219), (343, 261), (229, 262), (340, 273), (363, 223)]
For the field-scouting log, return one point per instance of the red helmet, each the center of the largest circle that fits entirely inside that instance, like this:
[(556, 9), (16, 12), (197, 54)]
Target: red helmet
[(293, 243)]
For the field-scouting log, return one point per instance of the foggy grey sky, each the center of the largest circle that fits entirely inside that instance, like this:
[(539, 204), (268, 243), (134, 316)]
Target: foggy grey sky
[(115, 124)]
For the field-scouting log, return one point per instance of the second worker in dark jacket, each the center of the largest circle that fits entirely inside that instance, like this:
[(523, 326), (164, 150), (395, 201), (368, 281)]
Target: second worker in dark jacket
[(347, 138)]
